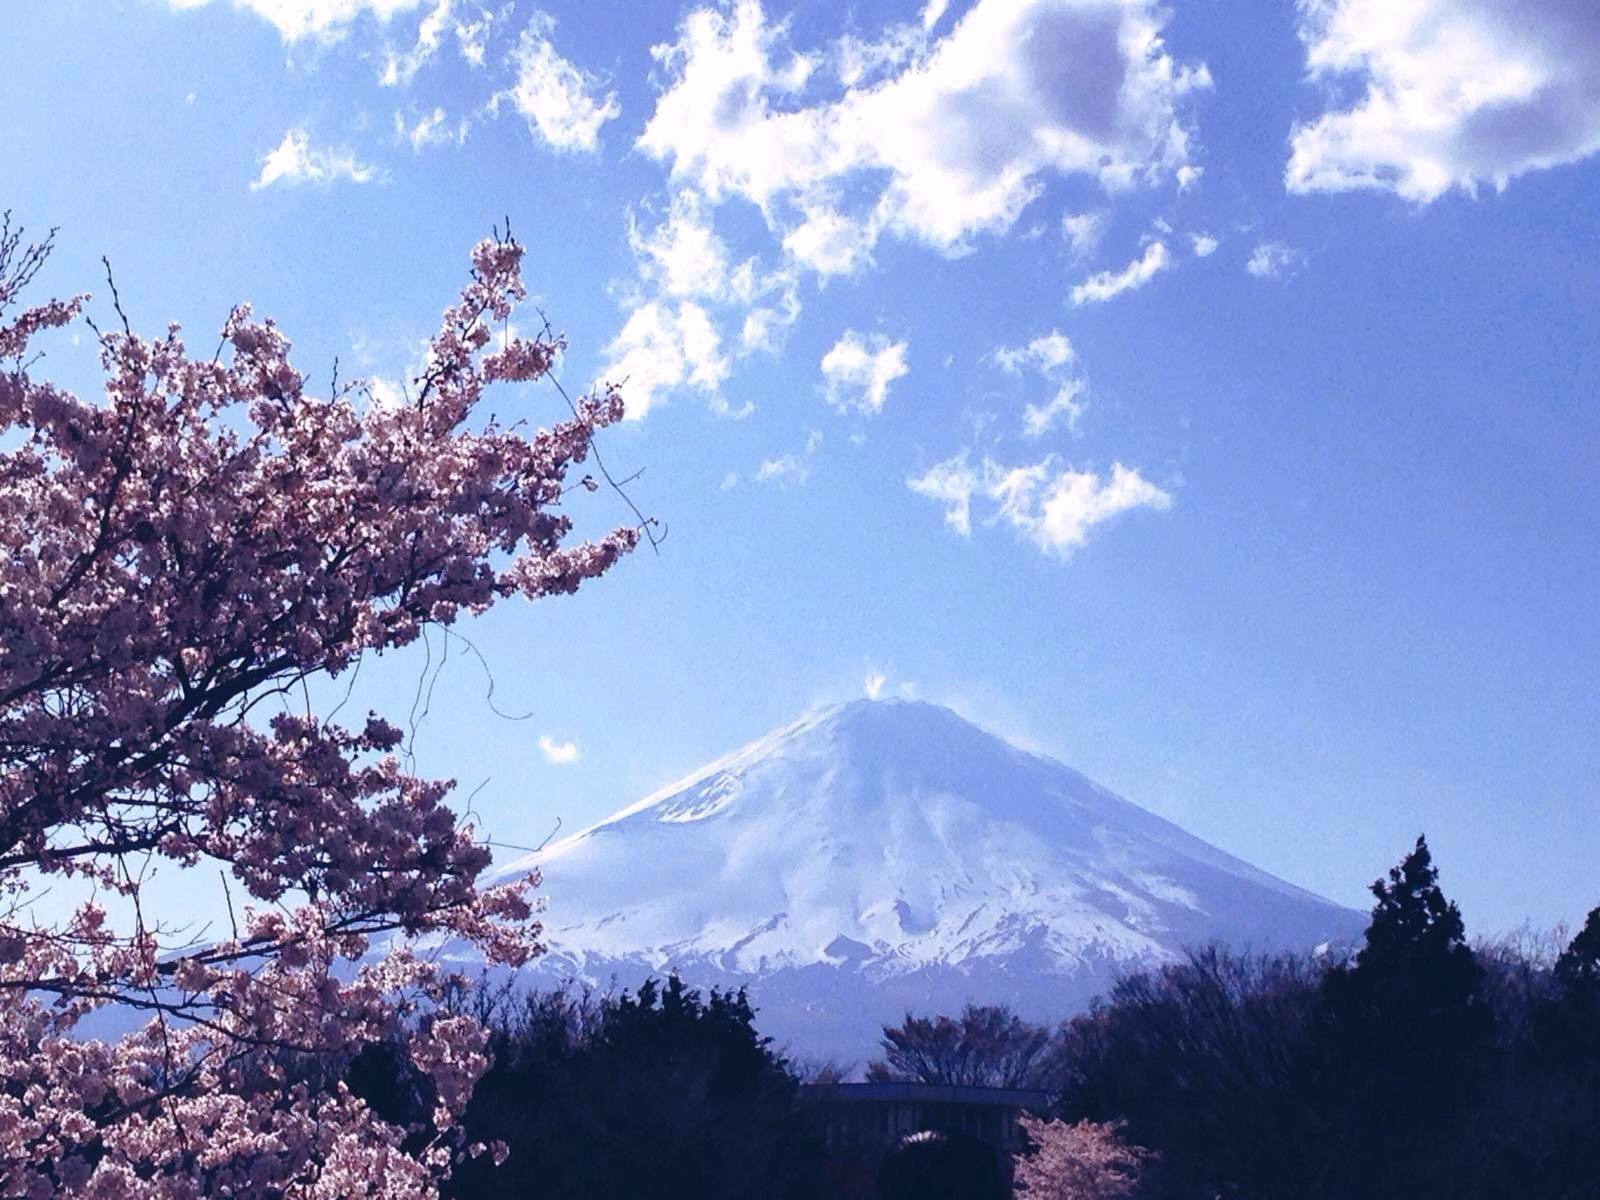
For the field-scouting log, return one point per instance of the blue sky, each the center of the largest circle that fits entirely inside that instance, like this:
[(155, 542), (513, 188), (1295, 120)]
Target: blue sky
[(1205, 395)]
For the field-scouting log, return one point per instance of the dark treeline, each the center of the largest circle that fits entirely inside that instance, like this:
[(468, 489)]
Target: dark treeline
[(657, 1092), (1416, 1067)]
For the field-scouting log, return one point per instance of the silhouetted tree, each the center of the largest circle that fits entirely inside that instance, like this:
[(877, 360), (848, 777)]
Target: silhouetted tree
[(659, 1092), (1207, 1061), (1578, 968), (1408, 1039), (987, 1046), (1419, 1069)]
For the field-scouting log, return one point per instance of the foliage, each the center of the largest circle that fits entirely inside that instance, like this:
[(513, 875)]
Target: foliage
[(1085, 1161), (659, 1092), (1209, 1062), (1407, 1041), (177, 557), (1420, 1068), (987, 1046)]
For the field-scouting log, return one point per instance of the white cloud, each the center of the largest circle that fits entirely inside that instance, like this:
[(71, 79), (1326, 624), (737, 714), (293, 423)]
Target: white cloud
[(1188, 176), (1272, 259), (1452, 93), (1204, 244), (297, 161), (559, 101), (430, 129), (562, 754), (873, 684), (1084, 231), (683, 256), (859, 369), (1046, 353), (789, 470), (785, 470), (952, 484), (664, 346), (296, 19), (399, 69), (1049, 355), (385, 393), (1055, 507), (691, 293), (1067, 404), (1058, 512), (830, 243), (953, 144), (1099, 288), (763, 327), (857, 61)]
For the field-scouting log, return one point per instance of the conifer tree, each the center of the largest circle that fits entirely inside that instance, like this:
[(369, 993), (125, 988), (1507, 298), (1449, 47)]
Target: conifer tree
[(1578, 968), (1417, 941), (1569, 1020), (1408, 1037)]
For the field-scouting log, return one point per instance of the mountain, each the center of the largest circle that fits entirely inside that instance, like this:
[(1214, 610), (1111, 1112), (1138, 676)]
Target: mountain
[(884, 856)]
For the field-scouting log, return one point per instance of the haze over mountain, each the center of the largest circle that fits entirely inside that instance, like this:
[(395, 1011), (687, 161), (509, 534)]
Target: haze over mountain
[(881, 856)]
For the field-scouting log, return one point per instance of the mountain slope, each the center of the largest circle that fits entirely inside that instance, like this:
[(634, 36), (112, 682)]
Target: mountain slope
[(882, 855)]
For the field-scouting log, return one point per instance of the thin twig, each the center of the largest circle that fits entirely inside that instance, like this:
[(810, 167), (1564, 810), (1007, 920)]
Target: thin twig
[(116, 299), (647, 525), (227, 895)]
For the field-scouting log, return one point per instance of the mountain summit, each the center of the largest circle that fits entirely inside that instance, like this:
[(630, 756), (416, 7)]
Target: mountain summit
[(880, 856)]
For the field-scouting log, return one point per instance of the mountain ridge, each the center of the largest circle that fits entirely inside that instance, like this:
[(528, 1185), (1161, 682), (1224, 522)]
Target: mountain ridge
[(891, 850)]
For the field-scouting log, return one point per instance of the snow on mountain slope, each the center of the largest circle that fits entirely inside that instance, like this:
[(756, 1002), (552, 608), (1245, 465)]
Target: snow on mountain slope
[(881, 855)]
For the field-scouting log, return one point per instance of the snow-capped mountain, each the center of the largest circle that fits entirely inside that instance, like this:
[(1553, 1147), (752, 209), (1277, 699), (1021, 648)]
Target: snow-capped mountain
[(884, 856)]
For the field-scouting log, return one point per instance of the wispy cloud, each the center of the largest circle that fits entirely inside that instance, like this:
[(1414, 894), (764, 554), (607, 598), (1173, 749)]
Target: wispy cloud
[(430, 129), (1051, 356), (1067, 405), (662, 346), (1054, 506), (562, 754), (297, 161), (789, 469), (1108, 284), (297, 19), (1084, 231), (561, 102), (1269, 260), (1047, 352), (470, 24), (859, 368)]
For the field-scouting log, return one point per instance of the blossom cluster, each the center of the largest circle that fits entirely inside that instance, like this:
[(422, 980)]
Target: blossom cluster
[(172, 558), (1084, 1161)]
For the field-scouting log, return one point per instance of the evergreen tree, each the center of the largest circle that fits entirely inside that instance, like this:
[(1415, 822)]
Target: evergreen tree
[(1578, 968), (1408, 1039), (1416, 932)]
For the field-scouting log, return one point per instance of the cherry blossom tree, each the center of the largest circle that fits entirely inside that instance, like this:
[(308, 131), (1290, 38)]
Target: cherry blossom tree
[(176, 561), (1085, 1161)]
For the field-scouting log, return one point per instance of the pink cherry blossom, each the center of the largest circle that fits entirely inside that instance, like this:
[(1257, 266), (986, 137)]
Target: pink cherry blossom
[(1085, 1161), (198, 541)]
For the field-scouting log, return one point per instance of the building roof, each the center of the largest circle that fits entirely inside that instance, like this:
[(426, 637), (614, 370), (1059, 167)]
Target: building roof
[(925, 1093)]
